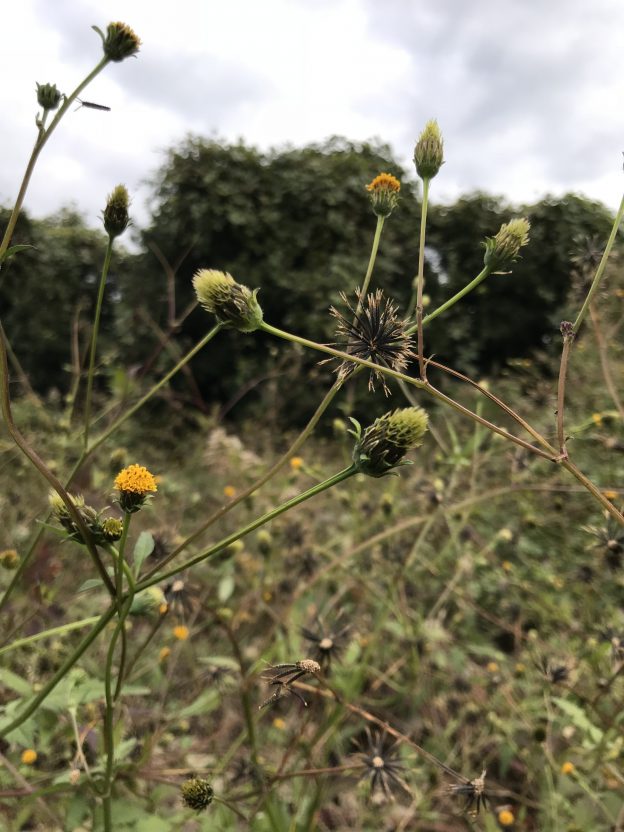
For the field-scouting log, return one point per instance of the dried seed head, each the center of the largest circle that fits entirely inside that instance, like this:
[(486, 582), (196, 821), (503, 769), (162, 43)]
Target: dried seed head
[(504, 249), (48, 97), (231, 302), (383, 444), (373, 331), (384, 194), (115, 215), (429, 151), (309, 665), (120, 42), (197, 793)]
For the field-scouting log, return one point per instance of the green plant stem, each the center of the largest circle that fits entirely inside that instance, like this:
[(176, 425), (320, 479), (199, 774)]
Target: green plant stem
[(40, 143), (601, 267), (61, 672), (96, 444), (422, 385), (53, 631), (220, 512), (43, 469), (561, 383), (371, 260), (131, 591), (250, 527), (94, 338), (569, 466), (420, 282), (451, 301), (109, 732)]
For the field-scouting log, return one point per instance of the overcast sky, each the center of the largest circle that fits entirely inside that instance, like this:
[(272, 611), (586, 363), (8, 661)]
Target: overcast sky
[(529, 93)]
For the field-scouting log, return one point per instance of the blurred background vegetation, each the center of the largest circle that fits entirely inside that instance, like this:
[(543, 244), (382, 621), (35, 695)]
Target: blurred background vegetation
[(296, 223)]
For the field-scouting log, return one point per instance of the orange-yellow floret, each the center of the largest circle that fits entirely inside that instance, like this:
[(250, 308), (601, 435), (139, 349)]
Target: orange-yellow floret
[(136, 479), (567, 767), (181, 632), (29, 757), (506, 818), (384, 182)]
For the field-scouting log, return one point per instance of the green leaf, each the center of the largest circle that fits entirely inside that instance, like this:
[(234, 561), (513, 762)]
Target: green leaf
[(90, 584), (142, 549), (579, 718), (153, 824), (11, 680), (205, 703), (13, 250)]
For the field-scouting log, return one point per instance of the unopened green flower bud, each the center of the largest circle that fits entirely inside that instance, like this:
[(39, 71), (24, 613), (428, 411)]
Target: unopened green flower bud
[(63, 516), (265, 542), (148, 601), (112, 529), (48, 97), (232, 303), (383, 444), (384, 194), (120, 41), (503, 249), (429, 151), (197, 793), (115, 215), (9, 559)]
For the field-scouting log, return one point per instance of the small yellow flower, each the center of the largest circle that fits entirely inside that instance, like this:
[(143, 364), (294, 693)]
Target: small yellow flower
[(136, 479), (597, 418), (384, 194), (506, 818), (181, 632), (29, 757), (520, 667), (296, 462), (506, 535), (229, 491), (507, 565), (267, 596), (164, 654), (163, 609), (278, 723), (610, 495), (9, 559), (567, 767), (492, 667)]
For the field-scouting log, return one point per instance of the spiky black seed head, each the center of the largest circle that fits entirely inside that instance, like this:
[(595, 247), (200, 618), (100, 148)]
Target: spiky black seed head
[(373, 331), (197, 793), (232, 303)]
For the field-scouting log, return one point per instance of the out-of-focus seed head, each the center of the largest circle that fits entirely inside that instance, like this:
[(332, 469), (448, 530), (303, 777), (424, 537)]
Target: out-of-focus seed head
[(231, 302), (429, 151), (197, 793), (9, 559), (502, 250), (382, 446)]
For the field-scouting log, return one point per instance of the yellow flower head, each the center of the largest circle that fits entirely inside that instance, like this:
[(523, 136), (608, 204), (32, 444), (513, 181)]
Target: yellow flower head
[(567, 767), (164, 654), (181, 632), (136, 479), (134, 483), (9, 559), (492, 667), (229, 491), (296, 462), (279, 723), (384, 194), (29, 757), (506, 818)]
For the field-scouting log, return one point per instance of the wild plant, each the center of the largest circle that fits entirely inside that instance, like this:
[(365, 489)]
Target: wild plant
[(373, 337)]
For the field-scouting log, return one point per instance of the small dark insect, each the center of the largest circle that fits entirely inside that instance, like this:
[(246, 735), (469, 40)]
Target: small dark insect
[(287, 674), (91, 106), (474, 792)]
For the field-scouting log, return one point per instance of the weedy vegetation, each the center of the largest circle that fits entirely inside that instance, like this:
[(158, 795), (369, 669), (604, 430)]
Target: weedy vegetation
[(409, 622)]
